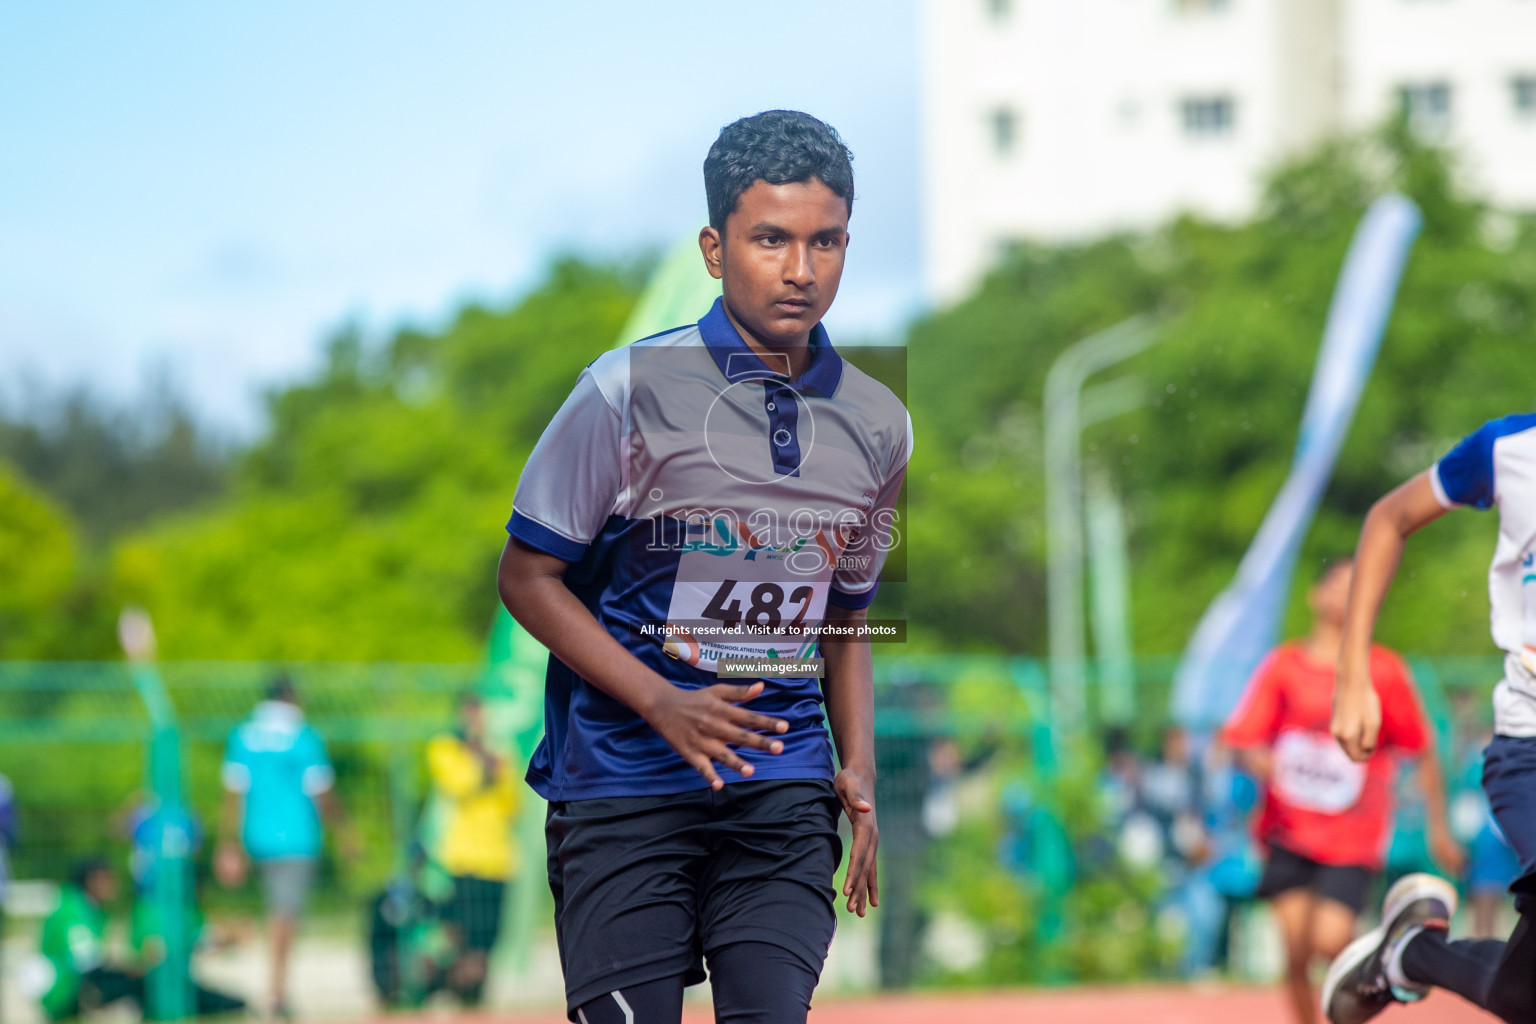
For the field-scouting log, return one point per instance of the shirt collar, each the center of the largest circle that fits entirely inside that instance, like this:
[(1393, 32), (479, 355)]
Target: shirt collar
[(737, 361), (280, 714)]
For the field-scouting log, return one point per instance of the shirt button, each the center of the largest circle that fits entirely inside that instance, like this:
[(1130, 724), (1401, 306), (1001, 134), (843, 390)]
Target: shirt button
[(771, 407), (781, 437)]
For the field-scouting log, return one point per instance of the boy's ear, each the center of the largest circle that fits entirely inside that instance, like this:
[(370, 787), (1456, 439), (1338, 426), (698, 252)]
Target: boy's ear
[(712, 246)]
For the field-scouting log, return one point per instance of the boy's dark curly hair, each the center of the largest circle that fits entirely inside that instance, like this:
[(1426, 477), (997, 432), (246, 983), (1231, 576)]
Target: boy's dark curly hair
[(779, 147)]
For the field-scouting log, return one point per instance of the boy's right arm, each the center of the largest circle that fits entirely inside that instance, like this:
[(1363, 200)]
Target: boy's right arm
[(700, 725), (229, 861), (1256, 761), (1250, 730), (1356, 708)]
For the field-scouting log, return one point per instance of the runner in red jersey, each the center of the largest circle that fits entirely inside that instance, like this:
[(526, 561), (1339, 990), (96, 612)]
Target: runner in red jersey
[(1325, 820)]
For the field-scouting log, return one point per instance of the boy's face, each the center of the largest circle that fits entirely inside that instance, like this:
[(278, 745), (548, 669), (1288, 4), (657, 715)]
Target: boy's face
[(1330, 595), (101, 886), (780, 259), (1175, 746), (472, 715)]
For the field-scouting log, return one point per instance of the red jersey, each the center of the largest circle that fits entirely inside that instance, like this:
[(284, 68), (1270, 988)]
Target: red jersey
[(1319, 803)]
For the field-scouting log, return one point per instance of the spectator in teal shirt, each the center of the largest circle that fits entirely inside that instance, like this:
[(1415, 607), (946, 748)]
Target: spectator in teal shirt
[(278, 786)]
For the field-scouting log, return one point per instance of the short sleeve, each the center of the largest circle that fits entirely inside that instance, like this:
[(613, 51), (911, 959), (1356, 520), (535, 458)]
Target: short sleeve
[(318, 775), (1256, 719), (1464, 476), (857, 576), (236, 771), (1404, 726), (573, 478)]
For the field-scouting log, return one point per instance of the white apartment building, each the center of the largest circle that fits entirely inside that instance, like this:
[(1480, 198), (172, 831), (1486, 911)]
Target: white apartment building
[(1063, 119)]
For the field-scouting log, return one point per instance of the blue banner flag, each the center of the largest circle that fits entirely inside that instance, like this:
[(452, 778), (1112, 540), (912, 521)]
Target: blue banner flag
[(1243, 623)]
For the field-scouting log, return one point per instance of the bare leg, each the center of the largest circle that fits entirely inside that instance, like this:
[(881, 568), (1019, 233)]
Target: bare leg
[(468, 977), (1485, 914), (1333, 926), (281, 928), (1294, 911)]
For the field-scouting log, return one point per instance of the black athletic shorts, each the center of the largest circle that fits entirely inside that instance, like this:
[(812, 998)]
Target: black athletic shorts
[(475, 910), (1343, 883), (648, 887)]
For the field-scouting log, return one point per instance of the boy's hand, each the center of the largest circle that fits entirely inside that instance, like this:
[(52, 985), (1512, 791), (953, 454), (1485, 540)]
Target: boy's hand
[(1260, 763), (860, 884), (1356, 718), (703, 726), (230, 865)]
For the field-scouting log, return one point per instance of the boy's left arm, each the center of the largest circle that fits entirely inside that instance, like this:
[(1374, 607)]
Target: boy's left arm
[(1403, 511), (849, 688)]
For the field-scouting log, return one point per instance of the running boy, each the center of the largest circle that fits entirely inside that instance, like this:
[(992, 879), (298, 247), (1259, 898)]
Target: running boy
[(705, 495), (1411, 951), (1325, 819)]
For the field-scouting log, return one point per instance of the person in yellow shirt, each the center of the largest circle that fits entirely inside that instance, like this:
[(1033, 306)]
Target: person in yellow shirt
[(477, 797)]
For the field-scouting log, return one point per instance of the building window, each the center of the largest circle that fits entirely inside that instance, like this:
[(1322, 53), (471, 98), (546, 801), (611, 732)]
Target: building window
[(1003, 123), (1208, 116), (999, 9), (1427, 106), (1524, 88)]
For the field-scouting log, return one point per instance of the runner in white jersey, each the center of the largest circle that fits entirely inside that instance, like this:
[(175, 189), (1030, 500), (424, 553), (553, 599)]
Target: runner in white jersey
[(1411, 951)]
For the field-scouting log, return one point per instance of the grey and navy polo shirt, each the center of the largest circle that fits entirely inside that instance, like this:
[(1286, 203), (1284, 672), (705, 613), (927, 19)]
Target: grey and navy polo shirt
[(709, 506)]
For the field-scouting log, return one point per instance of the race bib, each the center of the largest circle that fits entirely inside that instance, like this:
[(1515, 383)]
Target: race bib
[(1312, 772), (737, 596)]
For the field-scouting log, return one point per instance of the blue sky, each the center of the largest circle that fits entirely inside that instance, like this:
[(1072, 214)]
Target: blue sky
[(209, 188)]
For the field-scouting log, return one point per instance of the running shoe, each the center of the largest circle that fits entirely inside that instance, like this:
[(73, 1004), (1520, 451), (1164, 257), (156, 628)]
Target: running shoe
[(1357, 987)]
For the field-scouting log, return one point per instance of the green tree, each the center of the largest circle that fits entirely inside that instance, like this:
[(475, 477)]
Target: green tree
[(1241, 312), (367, 523), (114, 468), (37, 565)]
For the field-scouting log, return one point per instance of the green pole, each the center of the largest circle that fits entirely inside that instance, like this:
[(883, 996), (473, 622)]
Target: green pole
[(512, 682), (1051, 849), (1109, 580), (1064, 409), (169, 991)]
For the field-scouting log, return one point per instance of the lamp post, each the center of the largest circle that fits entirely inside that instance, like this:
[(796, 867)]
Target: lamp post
[(1068, 408)]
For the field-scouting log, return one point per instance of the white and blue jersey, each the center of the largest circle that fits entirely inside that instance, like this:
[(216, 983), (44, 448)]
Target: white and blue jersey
[(1496, 465), (710, 507)]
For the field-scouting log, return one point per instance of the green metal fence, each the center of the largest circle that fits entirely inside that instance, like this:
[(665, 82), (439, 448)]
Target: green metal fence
[(971, 767)]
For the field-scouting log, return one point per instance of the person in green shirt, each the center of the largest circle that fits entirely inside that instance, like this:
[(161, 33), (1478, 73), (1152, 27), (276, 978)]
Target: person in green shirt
[(73, 944)]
